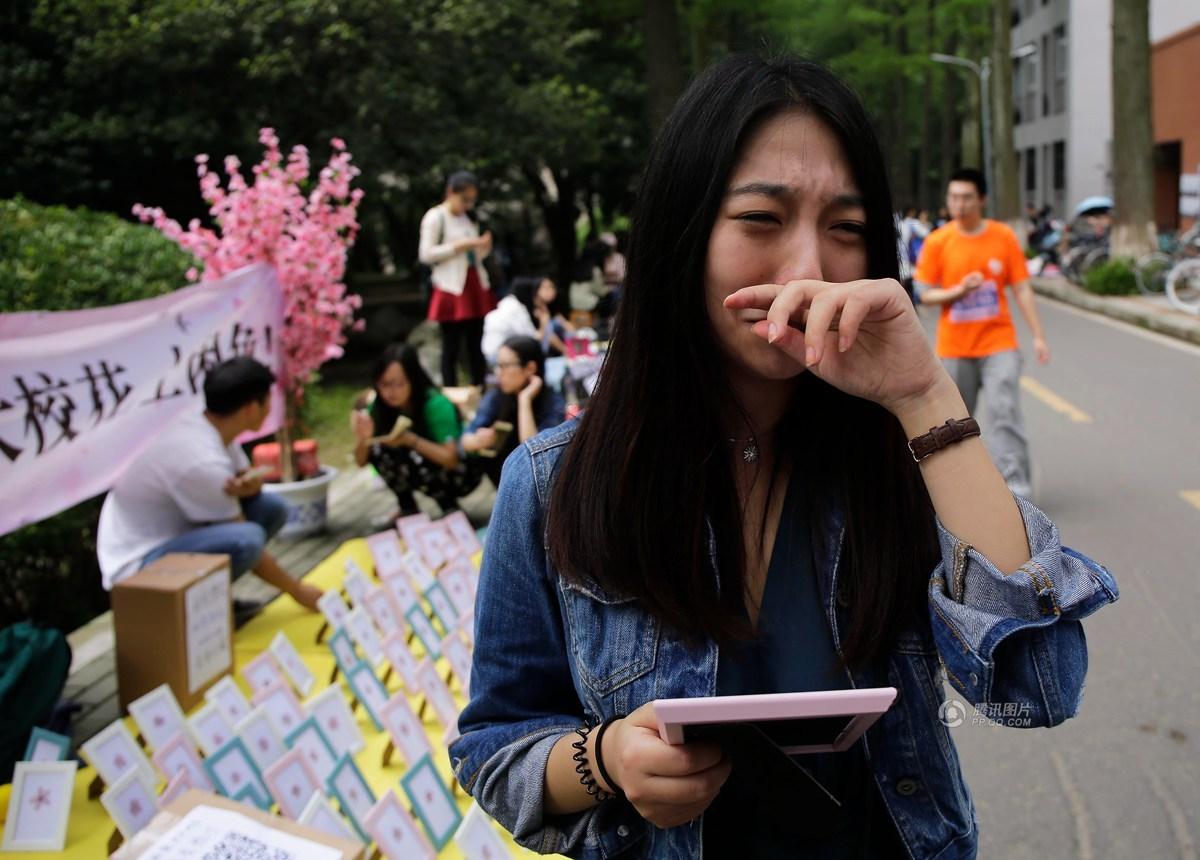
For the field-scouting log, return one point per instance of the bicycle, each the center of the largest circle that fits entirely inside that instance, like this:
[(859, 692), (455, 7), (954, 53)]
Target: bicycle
[(1183, 286)]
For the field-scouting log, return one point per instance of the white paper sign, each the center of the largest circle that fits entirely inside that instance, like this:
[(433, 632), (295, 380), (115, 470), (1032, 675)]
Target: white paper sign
[(289, 658), (1189, 184), (405, 730), (208, 634), (209, 832)]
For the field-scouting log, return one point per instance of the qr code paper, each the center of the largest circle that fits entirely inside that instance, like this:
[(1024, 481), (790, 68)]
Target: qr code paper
[(235, 846)]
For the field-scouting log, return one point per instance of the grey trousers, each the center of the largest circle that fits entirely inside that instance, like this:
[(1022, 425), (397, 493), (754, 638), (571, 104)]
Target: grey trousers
[(998, 378)]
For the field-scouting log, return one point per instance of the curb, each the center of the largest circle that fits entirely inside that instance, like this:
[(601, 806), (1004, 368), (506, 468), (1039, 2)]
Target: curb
[(1162, 322)]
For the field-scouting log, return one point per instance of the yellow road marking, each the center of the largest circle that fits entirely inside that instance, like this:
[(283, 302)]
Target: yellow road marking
[(1192, 497), (1058, 404)]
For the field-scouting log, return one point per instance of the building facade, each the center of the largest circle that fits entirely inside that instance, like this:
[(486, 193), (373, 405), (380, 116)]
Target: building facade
[(1173, 66), (1062, 94)]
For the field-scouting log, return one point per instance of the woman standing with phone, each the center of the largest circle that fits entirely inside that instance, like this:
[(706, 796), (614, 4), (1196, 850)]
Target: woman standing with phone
[(754, 502)]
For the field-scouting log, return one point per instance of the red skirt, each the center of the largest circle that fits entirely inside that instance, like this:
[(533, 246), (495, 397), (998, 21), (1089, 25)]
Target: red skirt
[(474, 303)]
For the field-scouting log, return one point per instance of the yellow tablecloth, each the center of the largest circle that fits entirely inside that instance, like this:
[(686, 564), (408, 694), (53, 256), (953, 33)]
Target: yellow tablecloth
[(90, 827)]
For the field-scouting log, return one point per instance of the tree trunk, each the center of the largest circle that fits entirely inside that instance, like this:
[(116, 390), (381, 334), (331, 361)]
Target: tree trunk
[(559, 213), (1006, 196), (1133, 139), (286, 469), (664, 71)]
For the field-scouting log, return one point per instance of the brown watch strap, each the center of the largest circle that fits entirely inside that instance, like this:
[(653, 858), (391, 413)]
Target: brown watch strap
[(954, 430)]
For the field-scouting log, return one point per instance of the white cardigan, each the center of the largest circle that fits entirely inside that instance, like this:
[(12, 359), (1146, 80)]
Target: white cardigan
[(439, 231), (509, 319)]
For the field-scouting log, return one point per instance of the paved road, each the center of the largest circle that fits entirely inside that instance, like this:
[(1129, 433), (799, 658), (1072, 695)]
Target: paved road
[(1121, 780)]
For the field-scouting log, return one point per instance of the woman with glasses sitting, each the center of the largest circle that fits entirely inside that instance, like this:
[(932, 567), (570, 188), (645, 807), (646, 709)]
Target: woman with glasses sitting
[(516, 410)]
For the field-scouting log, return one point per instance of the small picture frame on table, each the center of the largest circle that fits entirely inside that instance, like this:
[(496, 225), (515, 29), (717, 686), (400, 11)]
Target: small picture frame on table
[(420, 624), (262, 740), (478, 839), (177, 785), (344, 653), (456, 582), (292, 782), (231, 769), (367, 688), (210, 727), (114, 752), (442, 608), (364, 633), (405, 729), (431, 802), (178, 754), (380, 605), (45, 745), (292, 663), (463, 532), (130, 803), (332, 714), (407, 528), (433, 544), (402, 659), (310, 740), (229, 699), (395, 832), (404, 596), (355, 583), (333, 608), (39, 805), (262, 672), (353, 793), (456, 652), (387, 554), (281, 706), (319, 813), (437, 694), (418, 572), (158, 716)]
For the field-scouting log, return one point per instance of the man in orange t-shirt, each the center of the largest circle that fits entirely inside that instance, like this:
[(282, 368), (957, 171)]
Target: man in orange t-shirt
[(965, 267)]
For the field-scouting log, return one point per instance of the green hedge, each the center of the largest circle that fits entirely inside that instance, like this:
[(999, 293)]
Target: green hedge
[(1113, 278), (55, 258)]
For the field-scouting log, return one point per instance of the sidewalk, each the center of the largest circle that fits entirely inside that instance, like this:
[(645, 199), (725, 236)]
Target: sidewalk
[(1155, 314)]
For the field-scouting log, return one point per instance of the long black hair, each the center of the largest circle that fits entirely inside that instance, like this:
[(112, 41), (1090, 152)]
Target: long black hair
[(524, 289), (648, 469), (421, 385)]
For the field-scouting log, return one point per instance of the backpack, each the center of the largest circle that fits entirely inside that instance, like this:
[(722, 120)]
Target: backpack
[(34, 662)]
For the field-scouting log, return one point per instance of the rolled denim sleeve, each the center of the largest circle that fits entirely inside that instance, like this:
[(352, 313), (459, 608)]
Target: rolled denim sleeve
[(1017, 639), (522, 694)]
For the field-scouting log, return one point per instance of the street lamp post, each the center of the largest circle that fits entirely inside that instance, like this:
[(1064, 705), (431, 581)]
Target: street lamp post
[(983, 71)]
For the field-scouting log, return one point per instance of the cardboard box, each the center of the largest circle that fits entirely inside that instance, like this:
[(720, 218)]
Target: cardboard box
[(174, 625), (189, 800)]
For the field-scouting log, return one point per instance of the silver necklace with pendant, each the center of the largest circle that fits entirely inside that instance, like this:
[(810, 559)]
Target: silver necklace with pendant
[(750, 452)]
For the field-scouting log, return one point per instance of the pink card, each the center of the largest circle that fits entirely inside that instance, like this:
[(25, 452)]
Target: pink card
[(292, 663), (292, 782), (478, 839), (179, 783), (178, 754), (386, 552), (282, 707), (333, 608), (408, 526), (463, 533), (402, 660), (459, 587), (437, 693), (379, 604), (456, 651), (418, 571), (395, 832), (435, 545), (402, 594), (405, 730), (262, 672)]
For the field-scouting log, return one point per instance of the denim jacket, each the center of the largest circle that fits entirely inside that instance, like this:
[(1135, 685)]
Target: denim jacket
[(551, 654)]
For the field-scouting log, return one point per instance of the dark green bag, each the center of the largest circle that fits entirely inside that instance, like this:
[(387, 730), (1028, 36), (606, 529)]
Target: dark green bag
[(34, 662)]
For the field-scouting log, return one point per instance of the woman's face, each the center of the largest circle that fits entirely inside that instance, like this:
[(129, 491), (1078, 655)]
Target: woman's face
[(792, 211), (394, 386), (511, 374), (546, 292)]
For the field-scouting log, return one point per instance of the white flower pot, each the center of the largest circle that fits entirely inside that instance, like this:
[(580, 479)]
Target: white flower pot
[(307, 503)]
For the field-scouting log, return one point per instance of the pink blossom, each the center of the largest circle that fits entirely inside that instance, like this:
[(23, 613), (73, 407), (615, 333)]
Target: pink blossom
[(305, 233)]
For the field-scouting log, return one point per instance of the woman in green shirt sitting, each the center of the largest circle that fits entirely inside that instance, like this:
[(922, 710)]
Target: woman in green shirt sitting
[(424, 457)]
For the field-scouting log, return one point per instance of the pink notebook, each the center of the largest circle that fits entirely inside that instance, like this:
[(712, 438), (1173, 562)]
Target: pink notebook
[(819, 721)]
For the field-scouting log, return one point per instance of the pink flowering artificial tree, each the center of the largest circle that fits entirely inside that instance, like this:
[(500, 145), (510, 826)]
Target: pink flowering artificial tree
[(304, 229)]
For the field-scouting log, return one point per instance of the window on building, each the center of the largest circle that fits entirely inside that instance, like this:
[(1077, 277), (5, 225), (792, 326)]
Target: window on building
[(1060, 165), (1060, 69), (1018, 72), (1030, 172), (1047, 65), (1031, 82)]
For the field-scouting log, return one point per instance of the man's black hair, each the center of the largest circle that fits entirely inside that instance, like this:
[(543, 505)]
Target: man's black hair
[(232, 384), (461, 180), (973, 175)]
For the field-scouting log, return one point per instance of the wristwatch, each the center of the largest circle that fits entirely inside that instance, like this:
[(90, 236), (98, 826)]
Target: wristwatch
[(954, 430)]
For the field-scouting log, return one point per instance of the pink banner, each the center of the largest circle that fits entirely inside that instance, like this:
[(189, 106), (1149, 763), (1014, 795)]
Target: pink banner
[(82, 393)]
